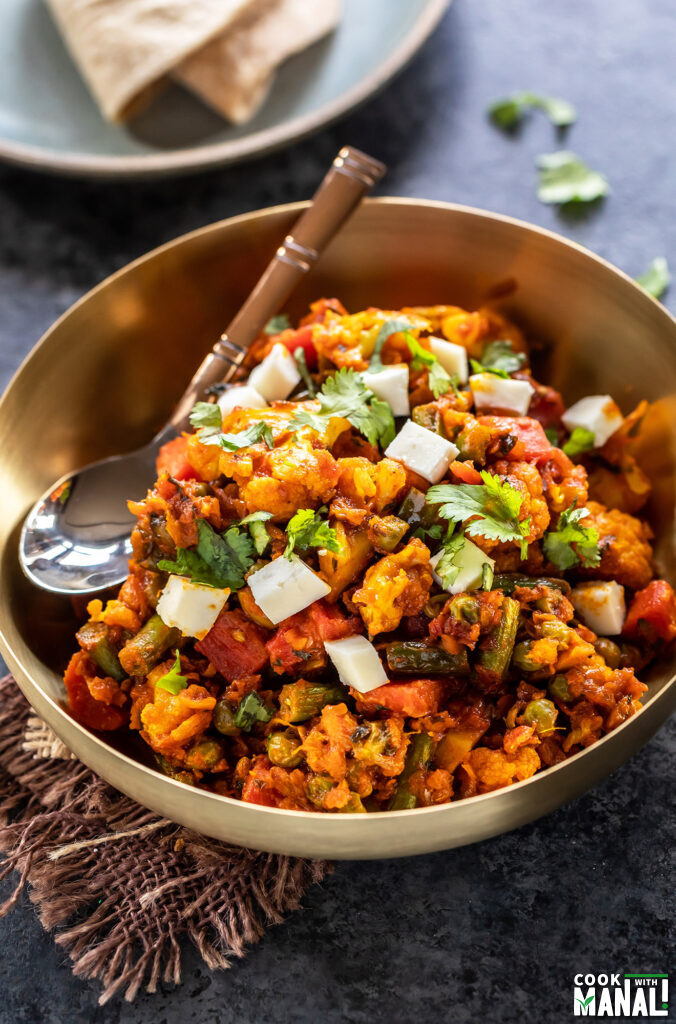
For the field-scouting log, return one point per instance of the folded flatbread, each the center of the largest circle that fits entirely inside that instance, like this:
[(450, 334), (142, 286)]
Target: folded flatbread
[(125, 47), (234, 73)]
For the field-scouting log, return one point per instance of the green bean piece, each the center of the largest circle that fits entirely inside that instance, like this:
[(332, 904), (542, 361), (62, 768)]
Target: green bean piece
[(542, 714), (317, 788), (464, 606), (415, 657), (385, 533), (412, 507), (301, 700), (224, 719), (174, 773), (495, 653), (284, 748), (521, 660), (507, 582), (144, 650), (609, 651), (428, 416), (419, 755), (558, 687), (93, 638)]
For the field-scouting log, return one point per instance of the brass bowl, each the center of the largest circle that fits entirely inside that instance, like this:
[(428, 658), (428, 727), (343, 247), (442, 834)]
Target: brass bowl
[(104, 377)]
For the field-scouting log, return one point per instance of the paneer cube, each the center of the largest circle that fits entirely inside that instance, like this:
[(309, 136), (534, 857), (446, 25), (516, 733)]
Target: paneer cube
[(493, 392), (286, 586), (276, 376), (470, 560), (191, 607), (241, 396), (357, 662), (422, 451), (601, 606), (597, 413), (452, 357), (391, 385)]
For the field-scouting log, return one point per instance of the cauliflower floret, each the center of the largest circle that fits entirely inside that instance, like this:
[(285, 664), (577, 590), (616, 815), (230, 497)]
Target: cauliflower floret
[(395, 586), (626, 554)]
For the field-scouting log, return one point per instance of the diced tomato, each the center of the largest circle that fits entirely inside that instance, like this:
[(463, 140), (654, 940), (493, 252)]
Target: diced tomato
[(652, 614), (172, 458), (531, 441), (234, 645), (465, 472), (412, 699), (546, 405), (253, 792), (90, 712), (299, 640), (302, 338)]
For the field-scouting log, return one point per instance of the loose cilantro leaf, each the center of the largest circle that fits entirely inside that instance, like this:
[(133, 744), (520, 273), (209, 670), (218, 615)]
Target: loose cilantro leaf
[(552, 435), (558, 544), (206, 414), (259, 534), (581, 440), (565, 178), (233, 442), (508, 112), (438, 379), (389, 328), (301, 363), (495, 504), (277, 324), (446, 568), (218, 561), (173, 681), (499, 357), (344, 394), (307, 529), (251, 710), (478, 367), (656, 279)]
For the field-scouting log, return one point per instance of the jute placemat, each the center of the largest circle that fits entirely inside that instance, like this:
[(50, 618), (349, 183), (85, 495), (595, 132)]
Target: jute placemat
[(119, 887)]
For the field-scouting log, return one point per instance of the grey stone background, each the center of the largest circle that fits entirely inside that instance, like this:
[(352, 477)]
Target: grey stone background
[(494, 931)]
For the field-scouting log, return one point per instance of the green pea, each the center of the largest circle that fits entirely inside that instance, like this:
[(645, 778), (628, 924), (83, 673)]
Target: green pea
[(542, 714), (558, 687), (609, 651), (224, 719), (284, 749), (204, 756), (521, 660)]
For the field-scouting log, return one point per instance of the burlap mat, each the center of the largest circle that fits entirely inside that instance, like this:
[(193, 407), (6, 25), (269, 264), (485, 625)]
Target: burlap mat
[(119, 886)]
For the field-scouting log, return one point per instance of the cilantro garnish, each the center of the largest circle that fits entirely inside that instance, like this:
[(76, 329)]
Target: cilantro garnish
[(307, 529), (389, 328), (656, 279), (495, 504), (565, 178), (206, 414), (500, 359), (258, 432), (219, 560), (438, 380), (552, 435), (301, 363), (508, 112), (558, 544), (259, 534), (446, 568), (344, 394), (173, 681), (581, 440), (251, 710), (277, 324)]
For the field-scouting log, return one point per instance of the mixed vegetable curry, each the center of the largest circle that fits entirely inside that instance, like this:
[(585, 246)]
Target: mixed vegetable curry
[(389, 569)]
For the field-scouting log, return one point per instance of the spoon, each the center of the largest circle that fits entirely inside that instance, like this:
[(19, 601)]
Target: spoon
[(76, 538)]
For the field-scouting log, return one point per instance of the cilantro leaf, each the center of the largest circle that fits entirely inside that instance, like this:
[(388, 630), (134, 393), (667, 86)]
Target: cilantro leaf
[(259, 535), (306, 529), (495, 504), (218, 561), (565, 178), (173, 681), (656, 279), (508, 112), (438, 379), (558, 544), (552, 435), (581, 440), (500, 358), (301, 363), (389, 328), (446, 568), (260, 431), (206, 414), (251, 710), (478, 367), (344, 394), (277, 324)]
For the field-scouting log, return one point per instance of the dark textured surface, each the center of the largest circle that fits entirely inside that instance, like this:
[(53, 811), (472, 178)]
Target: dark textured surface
[(494, 931)]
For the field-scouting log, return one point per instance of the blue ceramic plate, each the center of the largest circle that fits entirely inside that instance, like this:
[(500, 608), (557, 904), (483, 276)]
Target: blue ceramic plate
[(49, 121)]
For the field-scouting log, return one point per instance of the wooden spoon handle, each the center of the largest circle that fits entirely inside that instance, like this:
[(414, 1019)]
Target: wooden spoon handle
[(351, 175)]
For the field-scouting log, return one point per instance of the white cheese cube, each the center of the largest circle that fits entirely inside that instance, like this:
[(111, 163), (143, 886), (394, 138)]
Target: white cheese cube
[(357, 662), (601, 606), (391, 384), (286, 586), (492, 392), (190, 607), (452, 357), (277, 376), (423, 451), (470, 560), (241, 396), (596, 413)]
